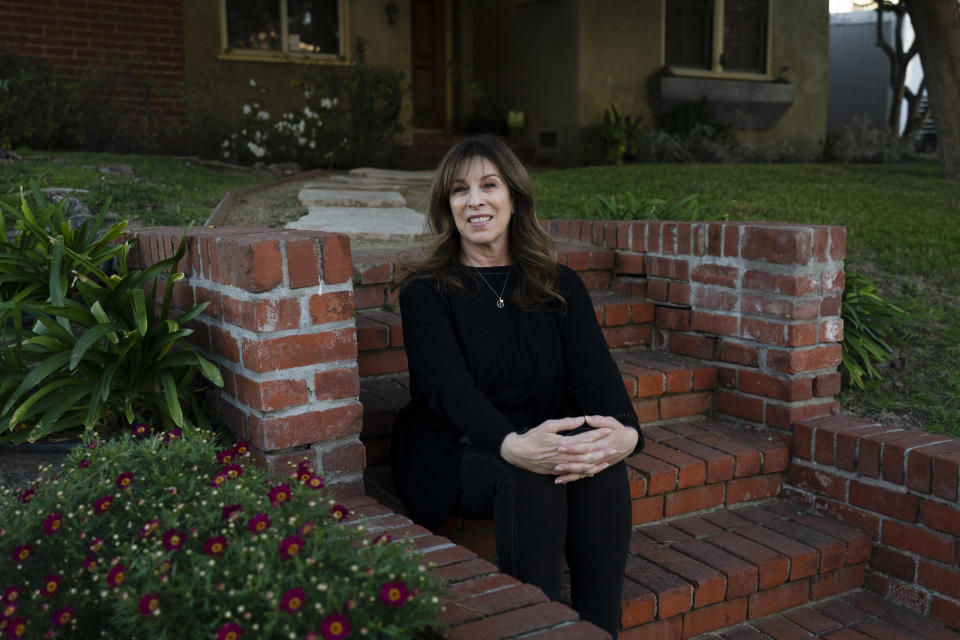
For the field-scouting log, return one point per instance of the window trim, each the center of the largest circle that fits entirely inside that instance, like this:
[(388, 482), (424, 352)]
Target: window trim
[(716, 71), (256, 55)]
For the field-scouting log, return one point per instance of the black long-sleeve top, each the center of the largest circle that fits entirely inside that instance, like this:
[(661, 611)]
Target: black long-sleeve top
[(478, 373)]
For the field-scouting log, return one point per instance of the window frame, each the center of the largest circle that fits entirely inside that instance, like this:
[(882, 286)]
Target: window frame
[(259, 55), (716, 70)]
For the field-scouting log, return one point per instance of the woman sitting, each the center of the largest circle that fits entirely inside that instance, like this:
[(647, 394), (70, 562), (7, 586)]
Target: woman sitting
[(517, 410)]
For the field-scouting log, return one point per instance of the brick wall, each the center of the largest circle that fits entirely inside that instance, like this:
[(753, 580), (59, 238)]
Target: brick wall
[(900, 486), (143, 36), (762, 300), (280, 326)]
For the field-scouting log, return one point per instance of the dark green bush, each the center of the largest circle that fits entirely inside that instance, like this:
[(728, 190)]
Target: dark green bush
[(613, 140), (629, 207), (870, 325)]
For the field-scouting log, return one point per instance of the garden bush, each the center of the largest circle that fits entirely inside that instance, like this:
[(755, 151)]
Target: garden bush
[(84, 345), (870, 325), (164, 536), (613, 140), (629, 207)]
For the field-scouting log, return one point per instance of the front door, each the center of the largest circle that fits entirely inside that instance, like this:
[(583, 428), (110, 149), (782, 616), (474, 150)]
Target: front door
[(429, 64)]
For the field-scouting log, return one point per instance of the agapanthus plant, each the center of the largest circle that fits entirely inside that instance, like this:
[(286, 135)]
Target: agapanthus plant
[(138, 543)]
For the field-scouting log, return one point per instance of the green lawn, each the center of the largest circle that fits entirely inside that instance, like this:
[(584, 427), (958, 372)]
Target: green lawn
[(167, 191), (903, 230)]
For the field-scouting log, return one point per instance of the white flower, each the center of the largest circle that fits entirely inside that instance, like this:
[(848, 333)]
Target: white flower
[(246, 109), (225, 144), (326, 103), (258, 152), (301, 141), (306, 94), (226, 154), (308, 112), (263, 115), (313, 144), (252, 82)]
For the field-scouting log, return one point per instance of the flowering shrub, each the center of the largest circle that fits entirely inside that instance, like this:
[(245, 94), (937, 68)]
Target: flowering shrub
[(152, 537)]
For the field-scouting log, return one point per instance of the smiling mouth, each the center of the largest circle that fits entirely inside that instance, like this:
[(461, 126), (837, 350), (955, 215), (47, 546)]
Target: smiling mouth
[(479, 219)]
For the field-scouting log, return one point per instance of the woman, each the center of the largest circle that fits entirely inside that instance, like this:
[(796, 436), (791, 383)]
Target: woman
[(517, 410)]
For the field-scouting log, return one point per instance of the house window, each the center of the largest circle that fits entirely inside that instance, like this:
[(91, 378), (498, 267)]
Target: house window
[(288, 27), (719, 36)]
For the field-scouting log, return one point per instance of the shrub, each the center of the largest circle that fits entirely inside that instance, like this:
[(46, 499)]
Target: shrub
[(859, 141), (613, 140), (165, 537), (870, 324), (630, 207), (88, 348)]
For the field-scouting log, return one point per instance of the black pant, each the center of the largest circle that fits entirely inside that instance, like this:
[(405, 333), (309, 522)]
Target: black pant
[(536, 521)]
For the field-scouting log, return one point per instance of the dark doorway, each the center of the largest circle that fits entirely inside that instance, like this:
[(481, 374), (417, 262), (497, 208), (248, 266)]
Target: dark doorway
[(429, 64)]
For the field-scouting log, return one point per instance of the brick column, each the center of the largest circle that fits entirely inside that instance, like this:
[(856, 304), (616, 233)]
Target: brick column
[(762, 300), (280, 325)]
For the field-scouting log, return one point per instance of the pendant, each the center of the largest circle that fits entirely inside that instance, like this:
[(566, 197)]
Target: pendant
[(500, 303)]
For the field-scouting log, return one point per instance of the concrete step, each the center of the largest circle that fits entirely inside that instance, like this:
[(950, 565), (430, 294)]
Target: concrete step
[(343, 197), (698, 574)]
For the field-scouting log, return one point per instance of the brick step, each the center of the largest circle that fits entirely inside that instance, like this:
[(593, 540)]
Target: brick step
[(694, 466), (698, 574), (663, 386)]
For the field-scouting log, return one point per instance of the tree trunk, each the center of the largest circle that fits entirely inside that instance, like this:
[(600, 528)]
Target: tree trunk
[(937, 27)]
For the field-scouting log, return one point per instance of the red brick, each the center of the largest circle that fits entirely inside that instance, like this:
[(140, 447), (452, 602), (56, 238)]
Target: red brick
[(748, 461), (893, 563), (796, 286), (672, 318), (719, 324), (299, 350), (642, 312), (801, 445), (833, 551), (637, 605), (693, 499), (910, 597), (691, 471), (342, 457), (669, 629), (790, 390), (940, 517), (780, 308), (519, 621), (866, 521), (689, 404), (919, 541), (271, 434), (337, 383), (739, 405), (378, 362), (679, 293), (215, 307), (716, 298), (741, 576), (785, 416), (739, 353), (661, 477), (271, 395), (755, 488), (630, 263), (819, 481), (371, 335), (693, 346), (805, 359), (780, 628), (715, 274), (811, 620), (945, 475), (645, 510), (835, 582), (674, 595), (779, 598), (826, 435), (369, 297), (658, 289), (616, 314), (804, 560), (939, 579), (848, 444), (826, 385), (945, 611), (716, 616), (331, 307), (303, 263), (920, 464), (870, 448), (223, 344), (647, 410), (709, 584), (336, 258), (673, 268), (719, 464), (461, 571), (772, 568), (884, 501), (776, 244)]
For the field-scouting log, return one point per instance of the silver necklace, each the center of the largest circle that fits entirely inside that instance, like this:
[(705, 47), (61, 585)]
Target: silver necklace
[(500, 295)]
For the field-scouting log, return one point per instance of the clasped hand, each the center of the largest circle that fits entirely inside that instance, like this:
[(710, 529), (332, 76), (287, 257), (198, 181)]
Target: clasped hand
[(543, 450)]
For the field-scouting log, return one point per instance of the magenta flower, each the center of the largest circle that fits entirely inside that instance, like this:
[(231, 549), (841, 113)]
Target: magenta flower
[(141, 429), (306, 529), (62, 616), (92, 444), (116, 575), (10, 594), (124, 480), (279, 494), (172, 434), (293, 600), (242, 447), (52, 523), (339, 512), (394, 594), (149, 528), (21, 553), (215, 545), (149, 604), (16, 627), (218, 479), (96, 545), (90, 562), (172, 539), (84, 463), (232, 471), (27, 494), (8, 609), (259, 523), (102, 504), (315, 482), (230, 631), (51, 582), (383, 538), (335, 626), (226, 456), (290, 546), (304, 471), (231, 511), (164, 567)]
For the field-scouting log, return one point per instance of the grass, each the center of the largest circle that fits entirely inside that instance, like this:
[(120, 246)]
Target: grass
[(903, 231), (167, 191)]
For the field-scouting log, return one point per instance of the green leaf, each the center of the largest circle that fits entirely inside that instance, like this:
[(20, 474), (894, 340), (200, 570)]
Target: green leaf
[(41, 371), (172, 397), (139, 310), (87, 340)]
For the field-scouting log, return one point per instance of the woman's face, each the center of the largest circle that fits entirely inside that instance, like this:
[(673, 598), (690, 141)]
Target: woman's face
[(481, 206)]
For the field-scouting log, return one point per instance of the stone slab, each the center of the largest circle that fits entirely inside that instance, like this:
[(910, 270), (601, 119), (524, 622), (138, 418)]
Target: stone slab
[(379, 223), (393, 174), (350, 198), (360, 184)]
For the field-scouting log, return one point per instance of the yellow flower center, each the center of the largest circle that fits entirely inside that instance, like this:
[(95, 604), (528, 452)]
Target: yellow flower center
[(261, 525), (217, 547), (336, 628), (394, 594), (9, 611), (65, 617), (153, 604), (294, 603), (293, 548), (51, 586), (55, 525), (24, 554), (119, 577), (232, 635), (175, 541)]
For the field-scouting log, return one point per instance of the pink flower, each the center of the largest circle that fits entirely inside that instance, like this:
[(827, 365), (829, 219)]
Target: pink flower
[(51, 582), (218, 479), (8, 609), (383, 538), (21, 553), (116, 575), (304, 471), (293, 600), (215, 545), (279, 494), (96, 545), (259, 523), (124, 480), (339, 512), (306, 529), (102, 504), (52, 523), (394, 594), (149, 604), (242, 447), (62, 616), (10, 594), (141, 429), (231, 511), (84, 463), (290, 546), (147, 530), (27, 494), (164, 567), (90, 562), (226, 456), (232, 471), (172, 539), (230, 631), (335, 626), (16, 627), (92, 444), (315, 482)]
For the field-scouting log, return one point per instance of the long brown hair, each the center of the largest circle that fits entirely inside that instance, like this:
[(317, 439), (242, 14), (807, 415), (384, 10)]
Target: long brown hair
[(532, 250)]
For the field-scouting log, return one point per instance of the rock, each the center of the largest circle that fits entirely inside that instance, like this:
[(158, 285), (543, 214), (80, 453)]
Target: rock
[(77, 211), (9, 156), (284, 168), (114, 170)]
